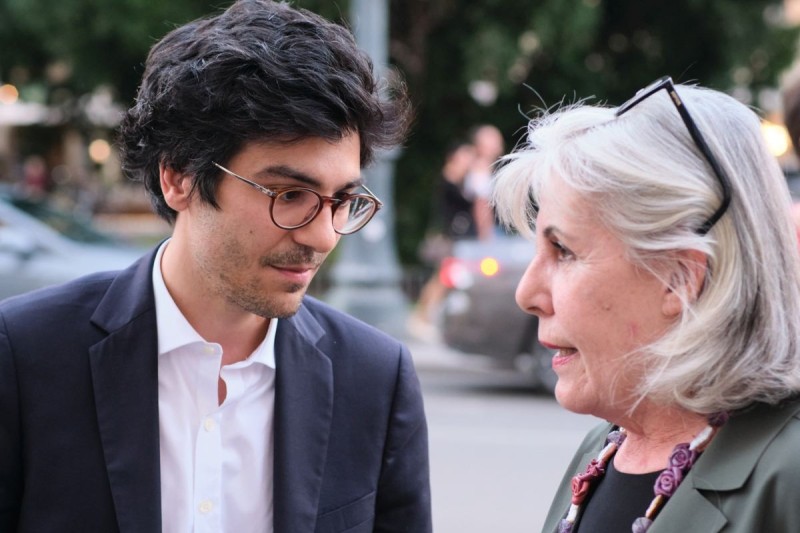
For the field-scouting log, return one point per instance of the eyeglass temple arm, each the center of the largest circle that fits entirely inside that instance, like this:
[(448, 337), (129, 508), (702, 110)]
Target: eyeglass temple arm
[(715, 166), (378, 202)]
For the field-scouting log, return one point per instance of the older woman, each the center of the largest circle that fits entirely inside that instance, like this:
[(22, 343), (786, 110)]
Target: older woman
[(667, 282)]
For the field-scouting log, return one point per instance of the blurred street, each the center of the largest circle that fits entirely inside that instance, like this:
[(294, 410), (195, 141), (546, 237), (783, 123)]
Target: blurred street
[(498, 446)]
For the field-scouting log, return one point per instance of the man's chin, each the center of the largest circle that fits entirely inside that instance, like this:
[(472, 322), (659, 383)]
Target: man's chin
[(288, 307), (288, 313), (282, 305)]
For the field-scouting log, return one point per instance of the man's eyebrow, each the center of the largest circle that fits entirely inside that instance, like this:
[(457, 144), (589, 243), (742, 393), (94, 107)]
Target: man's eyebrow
[(284, 171)]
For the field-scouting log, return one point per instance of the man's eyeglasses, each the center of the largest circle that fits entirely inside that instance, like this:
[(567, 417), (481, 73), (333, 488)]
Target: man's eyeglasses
[(294, 207), (666, 83)]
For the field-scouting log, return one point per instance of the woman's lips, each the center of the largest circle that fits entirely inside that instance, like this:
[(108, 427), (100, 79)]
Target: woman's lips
[(562, 355), (550, 346)]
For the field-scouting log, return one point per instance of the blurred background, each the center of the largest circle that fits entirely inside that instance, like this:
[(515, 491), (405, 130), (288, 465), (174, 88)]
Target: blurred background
[(68, 68), (499, 443)]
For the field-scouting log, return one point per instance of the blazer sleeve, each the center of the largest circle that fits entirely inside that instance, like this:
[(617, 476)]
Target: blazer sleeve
[(404, 498), (10, 450)]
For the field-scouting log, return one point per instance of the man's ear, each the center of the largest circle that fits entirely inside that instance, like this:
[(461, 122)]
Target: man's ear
[(685, 281), (176, 187)]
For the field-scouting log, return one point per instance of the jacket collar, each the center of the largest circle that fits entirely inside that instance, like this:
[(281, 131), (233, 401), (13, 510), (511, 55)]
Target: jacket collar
[(124, 368)]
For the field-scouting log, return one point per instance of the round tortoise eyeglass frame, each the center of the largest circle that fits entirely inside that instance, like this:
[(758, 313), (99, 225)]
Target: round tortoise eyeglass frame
[(304, 204)]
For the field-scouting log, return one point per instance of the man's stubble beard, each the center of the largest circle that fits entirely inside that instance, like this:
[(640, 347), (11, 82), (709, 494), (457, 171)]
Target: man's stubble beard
[(250, 300)]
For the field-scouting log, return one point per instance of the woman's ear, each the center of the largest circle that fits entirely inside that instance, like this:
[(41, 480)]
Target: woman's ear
[(685, 281), (176, 187)]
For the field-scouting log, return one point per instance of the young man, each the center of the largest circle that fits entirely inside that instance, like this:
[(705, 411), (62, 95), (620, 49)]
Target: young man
[(200, 390)]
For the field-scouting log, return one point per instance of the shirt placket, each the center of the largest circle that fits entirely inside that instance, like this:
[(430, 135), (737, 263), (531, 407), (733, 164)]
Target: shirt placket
[(208, 448)]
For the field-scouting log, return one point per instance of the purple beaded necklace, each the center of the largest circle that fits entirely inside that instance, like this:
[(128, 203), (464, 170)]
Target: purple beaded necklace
[(680, 462)]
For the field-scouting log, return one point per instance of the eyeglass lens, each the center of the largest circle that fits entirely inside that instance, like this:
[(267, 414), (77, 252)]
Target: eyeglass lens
[(297, 207), (293, 208)]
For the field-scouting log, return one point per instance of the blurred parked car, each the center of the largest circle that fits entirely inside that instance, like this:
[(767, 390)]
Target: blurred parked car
[(41, 245), (480, 315)]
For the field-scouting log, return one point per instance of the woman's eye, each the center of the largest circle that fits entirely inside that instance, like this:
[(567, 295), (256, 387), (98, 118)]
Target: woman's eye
[(562, 251)]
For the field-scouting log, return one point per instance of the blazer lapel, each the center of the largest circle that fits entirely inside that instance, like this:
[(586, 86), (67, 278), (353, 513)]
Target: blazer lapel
[(725, 466), (303, 413), (124, 368), (689, 510)]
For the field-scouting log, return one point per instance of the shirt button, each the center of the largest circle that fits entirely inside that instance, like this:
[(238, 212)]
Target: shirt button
[(209, 349), (209, 424), (206, 506)]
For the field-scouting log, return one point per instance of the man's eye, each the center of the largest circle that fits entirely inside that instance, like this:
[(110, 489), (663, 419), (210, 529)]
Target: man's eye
[(345, 198), (293, 196)]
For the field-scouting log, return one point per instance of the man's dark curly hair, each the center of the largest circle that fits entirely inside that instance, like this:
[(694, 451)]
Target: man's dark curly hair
[(259, 71)]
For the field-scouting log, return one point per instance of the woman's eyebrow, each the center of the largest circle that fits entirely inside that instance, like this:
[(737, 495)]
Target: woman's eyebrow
[(550, 231)]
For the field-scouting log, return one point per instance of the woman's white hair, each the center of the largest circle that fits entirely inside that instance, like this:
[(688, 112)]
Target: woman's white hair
[(738, 342)]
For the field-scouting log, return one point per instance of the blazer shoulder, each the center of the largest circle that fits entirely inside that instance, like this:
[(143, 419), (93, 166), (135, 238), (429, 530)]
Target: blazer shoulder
[(64, 298), (782, 449), (763, 452), (80, 298), (342, 329), (352, 346)]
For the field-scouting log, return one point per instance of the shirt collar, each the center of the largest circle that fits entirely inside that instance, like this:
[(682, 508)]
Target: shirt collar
[(174, 331)]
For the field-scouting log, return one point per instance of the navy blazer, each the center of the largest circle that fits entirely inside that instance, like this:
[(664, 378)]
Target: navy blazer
[(79, 437)]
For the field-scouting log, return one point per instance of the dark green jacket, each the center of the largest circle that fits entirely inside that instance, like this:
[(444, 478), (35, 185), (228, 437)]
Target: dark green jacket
[(747, 481)]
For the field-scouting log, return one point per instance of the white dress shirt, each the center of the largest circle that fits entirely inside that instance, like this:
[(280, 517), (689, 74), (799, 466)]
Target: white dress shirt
[(216, 460)]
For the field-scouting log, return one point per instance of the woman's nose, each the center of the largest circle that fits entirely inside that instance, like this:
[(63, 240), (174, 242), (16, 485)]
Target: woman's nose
[(533, 291)]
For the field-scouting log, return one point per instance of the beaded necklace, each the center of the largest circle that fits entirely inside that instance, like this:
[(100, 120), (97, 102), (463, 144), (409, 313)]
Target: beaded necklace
[(681, 460)]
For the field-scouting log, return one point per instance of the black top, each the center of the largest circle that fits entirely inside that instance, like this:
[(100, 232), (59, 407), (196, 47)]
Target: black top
[(455, 212), (616, 501)]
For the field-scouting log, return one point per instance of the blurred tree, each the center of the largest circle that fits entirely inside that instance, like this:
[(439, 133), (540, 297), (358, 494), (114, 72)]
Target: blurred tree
[(73, 46), (465, 61), (471, 61)]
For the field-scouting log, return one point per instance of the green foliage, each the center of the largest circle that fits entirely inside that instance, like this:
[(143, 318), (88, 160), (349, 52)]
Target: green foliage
[(544, 52), (536, 54), (93, 42), (337, 11)]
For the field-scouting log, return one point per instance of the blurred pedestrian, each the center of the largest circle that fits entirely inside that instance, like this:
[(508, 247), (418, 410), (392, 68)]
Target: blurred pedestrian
[(200, 389), (453, 219), (489, 146), (667, 282), (35, 177)]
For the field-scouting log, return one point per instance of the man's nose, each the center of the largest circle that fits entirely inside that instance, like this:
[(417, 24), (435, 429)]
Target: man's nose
[(318, 234)]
